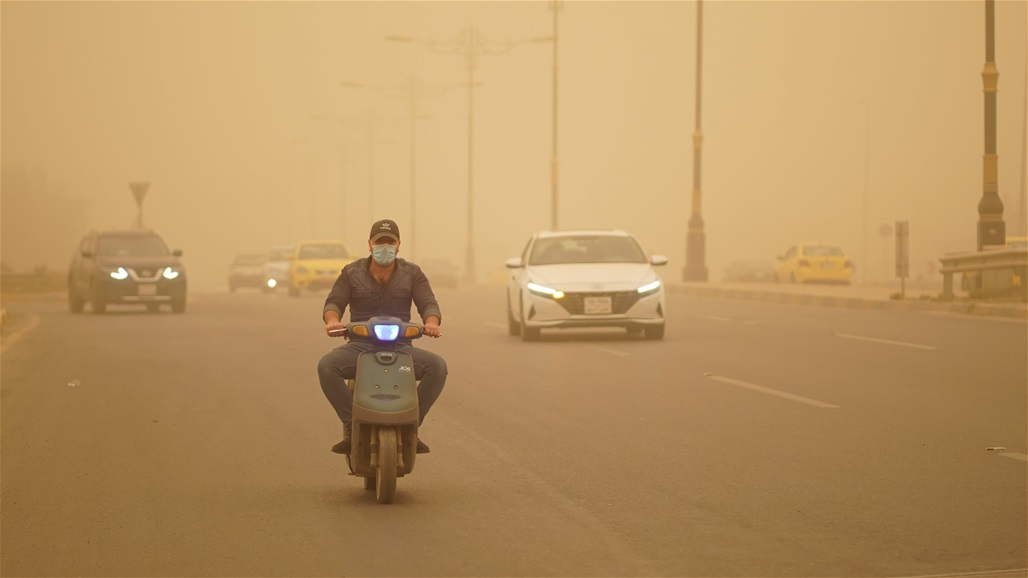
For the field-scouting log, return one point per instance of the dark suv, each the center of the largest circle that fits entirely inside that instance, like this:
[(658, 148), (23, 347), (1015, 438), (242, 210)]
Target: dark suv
[(126, 267)]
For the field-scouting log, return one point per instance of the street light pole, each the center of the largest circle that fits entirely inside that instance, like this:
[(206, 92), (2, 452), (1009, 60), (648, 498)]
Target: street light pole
[(470, 44), (991, 227), (695, 251), (556, 6)]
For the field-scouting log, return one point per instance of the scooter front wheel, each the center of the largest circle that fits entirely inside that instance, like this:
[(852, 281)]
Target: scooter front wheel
[(385, 471)]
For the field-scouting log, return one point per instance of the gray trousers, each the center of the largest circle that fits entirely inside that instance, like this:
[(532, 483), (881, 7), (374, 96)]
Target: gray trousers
[(340, 364)]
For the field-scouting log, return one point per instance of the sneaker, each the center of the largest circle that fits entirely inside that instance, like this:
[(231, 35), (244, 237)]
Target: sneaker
[(423, 447)]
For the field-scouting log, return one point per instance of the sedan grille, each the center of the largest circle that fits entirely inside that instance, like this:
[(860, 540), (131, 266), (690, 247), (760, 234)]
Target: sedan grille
[(621, 301)]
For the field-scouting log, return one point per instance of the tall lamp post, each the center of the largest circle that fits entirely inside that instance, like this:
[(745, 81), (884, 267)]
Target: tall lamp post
[(470, 43), (412, 91), (991, 227), (556, 6), (696, 240)]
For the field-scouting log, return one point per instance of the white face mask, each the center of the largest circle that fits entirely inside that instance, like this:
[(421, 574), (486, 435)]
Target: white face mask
[(383, 254)]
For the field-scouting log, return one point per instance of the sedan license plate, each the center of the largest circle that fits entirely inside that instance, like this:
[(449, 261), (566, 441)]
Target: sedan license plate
[(146, 290), (597, 305)]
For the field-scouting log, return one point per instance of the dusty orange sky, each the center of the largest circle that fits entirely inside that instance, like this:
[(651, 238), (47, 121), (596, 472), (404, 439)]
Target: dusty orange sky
[(236, 113)]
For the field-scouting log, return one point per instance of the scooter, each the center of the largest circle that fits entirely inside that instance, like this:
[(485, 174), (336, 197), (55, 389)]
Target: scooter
[(385, 405)]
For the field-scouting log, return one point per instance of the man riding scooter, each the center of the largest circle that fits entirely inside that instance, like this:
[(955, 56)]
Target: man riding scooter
[(379, 285)]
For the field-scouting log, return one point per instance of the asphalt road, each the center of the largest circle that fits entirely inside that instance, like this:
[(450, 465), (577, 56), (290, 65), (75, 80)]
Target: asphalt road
[(756, 439)]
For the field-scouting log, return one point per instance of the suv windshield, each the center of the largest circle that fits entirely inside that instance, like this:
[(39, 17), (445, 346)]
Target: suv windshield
[(135, 245), (323, 252), (586, 249)]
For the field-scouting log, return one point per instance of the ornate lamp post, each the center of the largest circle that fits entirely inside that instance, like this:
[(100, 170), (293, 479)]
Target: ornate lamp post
[(991, 227)]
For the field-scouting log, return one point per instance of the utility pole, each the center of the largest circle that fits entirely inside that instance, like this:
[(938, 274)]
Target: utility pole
[(696, 240)]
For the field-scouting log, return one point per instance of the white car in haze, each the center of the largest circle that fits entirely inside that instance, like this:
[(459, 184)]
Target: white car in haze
[(276, 268), (585, 278)]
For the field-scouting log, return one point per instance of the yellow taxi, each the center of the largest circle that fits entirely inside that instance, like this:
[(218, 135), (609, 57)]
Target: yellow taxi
[(316, 265), (814, 263)]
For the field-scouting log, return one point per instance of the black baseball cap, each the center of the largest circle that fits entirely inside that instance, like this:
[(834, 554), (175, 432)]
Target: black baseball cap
[(384, 228)]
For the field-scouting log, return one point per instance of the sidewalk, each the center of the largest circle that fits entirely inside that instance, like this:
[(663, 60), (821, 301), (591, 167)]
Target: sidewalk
[(852, 296)]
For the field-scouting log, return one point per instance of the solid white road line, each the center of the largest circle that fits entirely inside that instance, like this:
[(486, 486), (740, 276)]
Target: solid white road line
[(715, 318), (885, 341), (1014, 456), (770, 391)]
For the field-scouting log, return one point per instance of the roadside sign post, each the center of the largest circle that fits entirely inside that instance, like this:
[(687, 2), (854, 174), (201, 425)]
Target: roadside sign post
[(139, 189), (903, 254)]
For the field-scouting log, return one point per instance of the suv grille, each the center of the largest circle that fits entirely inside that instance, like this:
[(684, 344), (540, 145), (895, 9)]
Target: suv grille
[(147, 272), (620, 301)]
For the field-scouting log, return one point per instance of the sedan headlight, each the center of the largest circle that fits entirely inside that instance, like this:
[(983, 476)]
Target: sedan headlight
[(541, 290), (170, 273), (649, 287)]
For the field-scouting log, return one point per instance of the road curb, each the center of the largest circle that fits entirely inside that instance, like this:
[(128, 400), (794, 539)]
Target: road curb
[(1000, 310)]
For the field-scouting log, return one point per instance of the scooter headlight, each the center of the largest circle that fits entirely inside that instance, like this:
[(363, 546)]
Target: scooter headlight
[(387, 332)]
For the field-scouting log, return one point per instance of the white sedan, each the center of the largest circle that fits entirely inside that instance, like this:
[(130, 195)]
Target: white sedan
[(584, 279)]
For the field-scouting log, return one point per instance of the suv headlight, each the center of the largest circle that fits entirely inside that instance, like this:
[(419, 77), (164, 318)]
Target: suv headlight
[(649, 287), (170, 273), (542, 290), (119, 273)]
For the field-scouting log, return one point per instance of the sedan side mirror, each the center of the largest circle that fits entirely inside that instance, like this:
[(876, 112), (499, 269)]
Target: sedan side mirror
[(514, 263), (658, 260), (87, 254)]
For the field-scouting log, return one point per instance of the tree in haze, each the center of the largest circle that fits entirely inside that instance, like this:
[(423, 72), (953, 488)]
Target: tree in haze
[(40, 223)]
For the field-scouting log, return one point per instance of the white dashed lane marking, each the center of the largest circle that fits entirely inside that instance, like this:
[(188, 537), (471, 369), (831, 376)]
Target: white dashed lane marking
[(885, 341), (770, 391)]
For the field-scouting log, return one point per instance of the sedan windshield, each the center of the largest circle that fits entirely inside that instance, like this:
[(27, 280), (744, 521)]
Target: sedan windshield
[(823, 251), (136, 245), (586, 249)]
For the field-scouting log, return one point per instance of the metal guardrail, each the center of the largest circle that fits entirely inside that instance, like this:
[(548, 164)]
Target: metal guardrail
[(41, 281), (994, 273)]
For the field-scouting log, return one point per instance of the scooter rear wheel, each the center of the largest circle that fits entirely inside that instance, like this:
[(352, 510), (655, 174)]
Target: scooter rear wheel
[(385, 474)]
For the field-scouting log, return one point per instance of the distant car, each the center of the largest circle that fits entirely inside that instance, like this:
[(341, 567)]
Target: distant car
[(126, 267), (276, 268), (586, 278), (246, 271), (440, 272), (1017, 242), (750, 271), (814, 263), (316, 265)]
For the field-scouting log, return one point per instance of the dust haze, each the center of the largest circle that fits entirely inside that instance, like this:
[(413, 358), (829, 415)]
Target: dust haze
[(263, 123)]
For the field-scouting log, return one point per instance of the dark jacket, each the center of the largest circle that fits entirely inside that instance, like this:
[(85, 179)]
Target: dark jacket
[(357, 289)]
